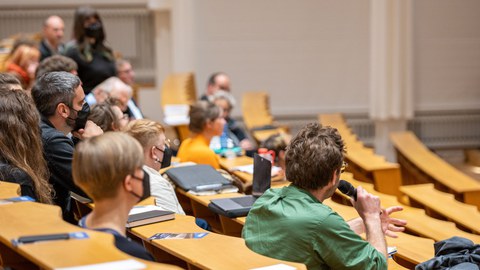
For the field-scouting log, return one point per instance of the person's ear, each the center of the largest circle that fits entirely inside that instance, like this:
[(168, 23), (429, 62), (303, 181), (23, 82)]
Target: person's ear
[(127, 183), (152, 153), (63, 110), (281, 154), (208, 123)]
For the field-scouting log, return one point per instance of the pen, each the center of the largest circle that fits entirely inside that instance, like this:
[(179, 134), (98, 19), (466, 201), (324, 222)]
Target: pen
[(45, 237)]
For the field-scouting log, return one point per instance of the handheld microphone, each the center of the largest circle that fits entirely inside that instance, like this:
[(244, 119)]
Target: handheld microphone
[(347, 189)]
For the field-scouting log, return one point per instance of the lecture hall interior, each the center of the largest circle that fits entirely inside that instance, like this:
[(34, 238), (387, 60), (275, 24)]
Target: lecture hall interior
[(398, 79)]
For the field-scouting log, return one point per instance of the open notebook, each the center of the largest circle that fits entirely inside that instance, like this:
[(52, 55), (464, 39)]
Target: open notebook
[(239, 206)]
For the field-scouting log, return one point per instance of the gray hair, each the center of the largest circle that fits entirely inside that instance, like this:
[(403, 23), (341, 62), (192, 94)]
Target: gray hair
[(113, 83), (53, 88), (221, 94)]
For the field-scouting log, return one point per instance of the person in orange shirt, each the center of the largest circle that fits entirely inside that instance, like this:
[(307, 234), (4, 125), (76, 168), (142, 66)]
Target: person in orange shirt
[(206, 121)]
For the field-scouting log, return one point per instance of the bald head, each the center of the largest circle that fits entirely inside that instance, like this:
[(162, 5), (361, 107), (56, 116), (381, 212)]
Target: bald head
[(53, 29), (218, 81)]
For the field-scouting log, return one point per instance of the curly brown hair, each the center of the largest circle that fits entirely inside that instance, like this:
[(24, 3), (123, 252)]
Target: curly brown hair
[(312, 157), (20, 140)]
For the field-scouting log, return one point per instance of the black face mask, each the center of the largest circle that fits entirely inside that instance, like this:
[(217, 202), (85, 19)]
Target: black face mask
[(82, 116), (146, 187), (94, 31), (167, 157)]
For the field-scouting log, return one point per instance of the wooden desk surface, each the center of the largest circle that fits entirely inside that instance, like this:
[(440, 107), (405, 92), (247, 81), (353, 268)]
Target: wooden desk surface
[(8, 190), (205, 200), (463, 214), (214, 251), (410, 248), (415, 151), (418, 221), (29, 218), (262, 135)]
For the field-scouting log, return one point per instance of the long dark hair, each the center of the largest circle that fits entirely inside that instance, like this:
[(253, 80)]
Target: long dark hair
[(20, 141), (81, 15)]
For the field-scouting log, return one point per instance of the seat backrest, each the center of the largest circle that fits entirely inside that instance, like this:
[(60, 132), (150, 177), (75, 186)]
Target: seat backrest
[(256, 109), (178, 88)]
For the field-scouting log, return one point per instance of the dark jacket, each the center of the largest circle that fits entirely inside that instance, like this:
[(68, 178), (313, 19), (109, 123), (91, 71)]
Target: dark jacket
[(58, 151), (454, 253), (9, 173), (46, 51), (93, 72)]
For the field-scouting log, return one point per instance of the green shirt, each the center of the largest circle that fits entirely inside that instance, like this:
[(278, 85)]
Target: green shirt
[(291, 224)]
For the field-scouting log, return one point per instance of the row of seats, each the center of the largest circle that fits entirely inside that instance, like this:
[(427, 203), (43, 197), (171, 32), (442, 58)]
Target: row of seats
[(427, 168), (179, 89)]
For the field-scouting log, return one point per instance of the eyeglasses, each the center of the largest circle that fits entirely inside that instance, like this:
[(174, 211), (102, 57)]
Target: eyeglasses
[(159, 149), (136, 177), (344, 167)]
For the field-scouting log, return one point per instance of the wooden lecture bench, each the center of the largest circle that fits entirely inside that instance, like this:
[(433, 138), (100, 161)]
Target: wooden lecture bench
[(365, 165), (30, 218), (214, 251), (420, 166), (198, 207), (419, 223), (257, 116), (9, 190), (443, 205)]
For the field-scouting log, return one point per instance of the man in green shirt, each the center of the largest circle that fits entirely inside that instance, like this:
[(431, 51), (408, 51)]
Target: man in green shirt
[(293, 224)]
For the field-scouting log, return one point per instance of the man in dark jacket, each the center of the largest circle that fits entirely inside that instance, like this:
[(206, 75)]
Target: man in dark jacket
[(53, 29), (59, 98)]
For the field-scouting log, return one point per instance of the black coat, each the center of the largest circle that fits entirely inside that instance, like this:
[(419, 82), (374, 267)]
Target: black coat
[(58, 151), (454, 253)]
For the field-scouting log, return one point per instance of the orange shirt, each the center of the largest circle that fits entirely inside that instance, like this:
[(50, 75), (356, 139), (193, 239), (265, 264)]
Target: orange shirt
[(197, 150)]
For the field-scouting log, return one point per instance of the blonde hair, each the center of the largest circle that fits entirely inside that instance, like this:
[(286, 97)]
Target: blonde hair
[(145, 131), (100, 164), (23, 54)]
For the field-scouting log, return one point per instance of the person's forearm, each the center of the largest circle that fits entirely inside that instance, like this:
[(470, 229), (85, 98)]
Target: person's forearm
[(375, 235), (357, 225)]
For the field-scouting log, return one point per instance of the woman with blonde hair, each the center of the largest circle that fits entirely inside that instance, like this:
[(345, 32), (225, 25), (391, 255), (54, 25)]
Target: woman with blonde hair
[(23, 63), (109, 169), (206, 121), (21, 151)]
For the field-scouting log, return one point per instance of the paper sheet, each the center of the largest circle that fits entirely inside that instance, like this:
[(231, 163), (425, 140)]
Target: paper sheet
[(117, 265)]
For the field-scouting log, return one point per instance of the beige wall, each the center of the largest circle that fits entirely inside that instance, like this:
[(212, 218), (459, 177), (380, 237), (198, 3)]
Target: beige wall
[(447, 54), (312, 56)]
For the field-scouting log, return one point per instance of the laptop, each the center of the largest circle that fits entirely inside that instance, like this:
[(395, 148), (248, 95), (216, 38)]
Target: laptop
[(198, 178), (240, 206)]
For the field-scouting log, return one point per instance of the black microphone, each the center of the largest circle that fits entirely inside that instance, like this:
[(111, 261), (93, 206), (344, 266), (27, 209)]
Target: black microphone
[(347, 189)]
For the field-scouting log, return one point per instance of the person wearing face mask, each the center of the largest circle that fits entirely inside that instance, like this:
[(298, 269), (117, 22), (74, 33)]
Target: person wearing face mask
[(157, 154), (115, 185), (95, 60), (59, 98)]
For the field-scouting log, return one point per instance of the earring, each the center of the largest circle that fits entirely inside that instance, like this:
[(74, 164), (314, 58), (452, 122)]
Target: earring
[(157, 160)]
